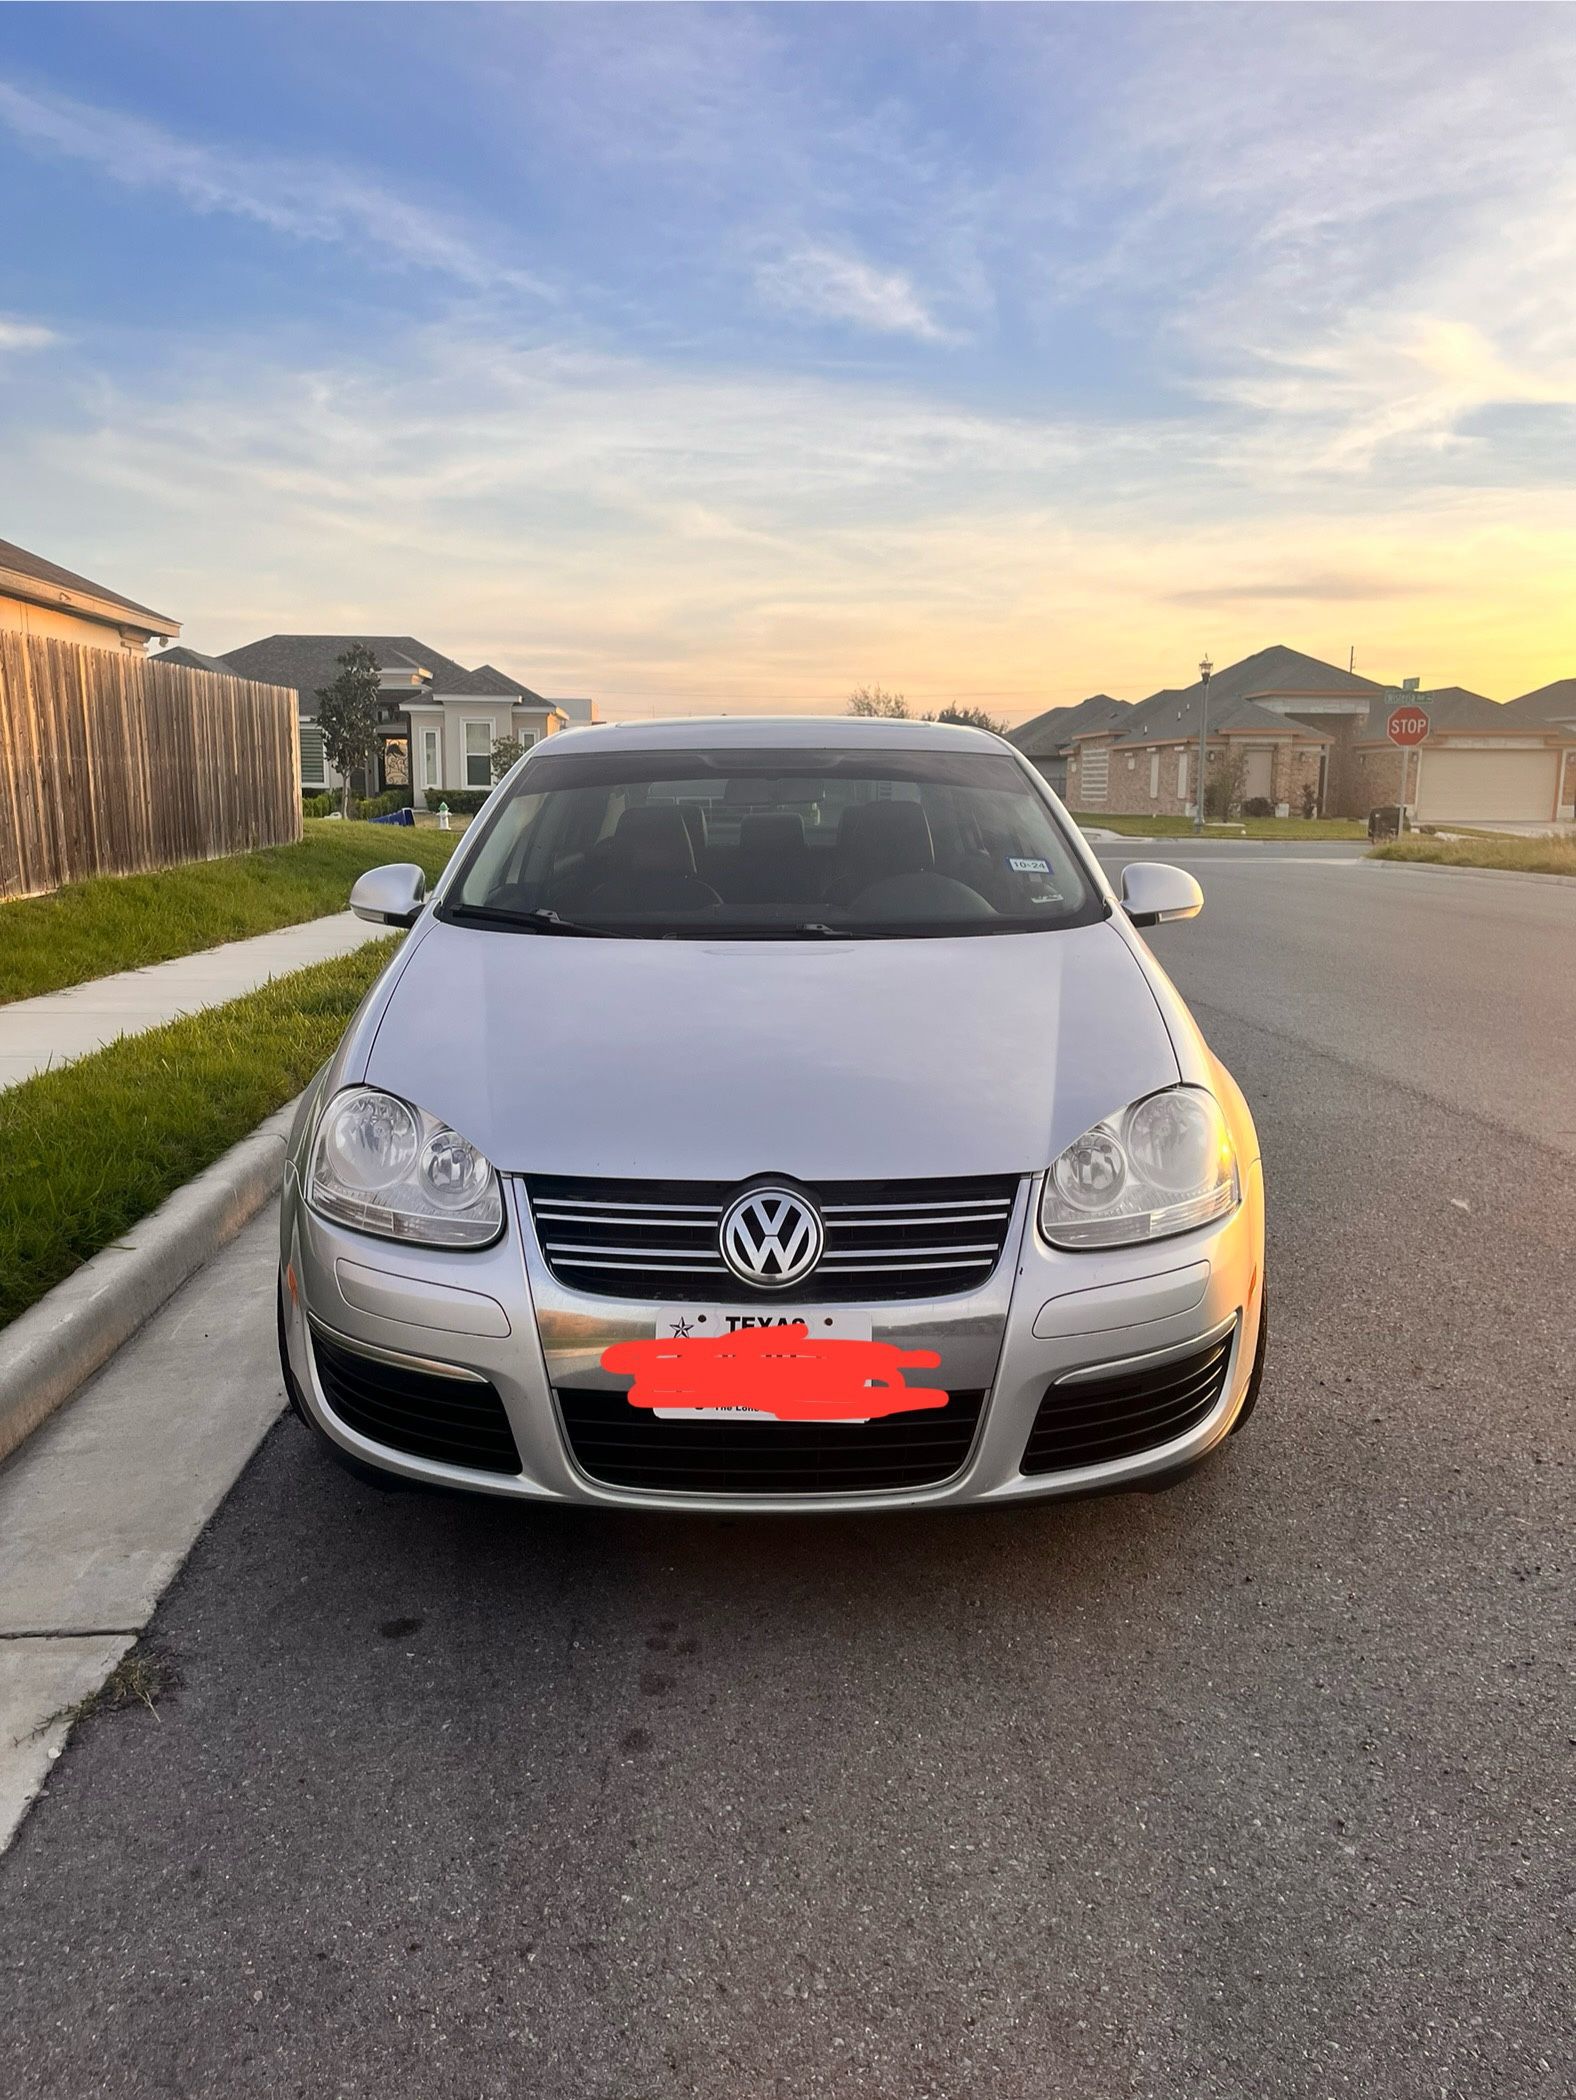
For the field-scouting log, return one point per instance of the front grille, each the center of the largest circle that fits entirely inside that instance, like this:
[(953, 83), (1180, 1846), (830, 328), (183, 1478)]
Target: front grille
[(458, 1421), (625, 1446), (1091, 1422), (884, 1239)]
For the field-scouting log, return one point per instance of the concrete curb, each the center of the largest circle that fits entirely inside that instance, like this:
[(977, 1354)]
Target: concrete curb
[(1446, 867), (57, 1344)]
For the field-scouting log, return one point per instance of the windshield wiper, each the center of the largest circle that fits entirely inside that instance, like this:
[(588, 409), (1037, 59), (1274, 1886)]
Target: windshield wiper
[(819, 930), (539, 921)]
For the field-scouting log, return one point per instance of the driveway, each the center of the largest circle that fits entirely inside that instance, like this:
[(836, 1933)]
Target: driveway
[(1261, 1787)]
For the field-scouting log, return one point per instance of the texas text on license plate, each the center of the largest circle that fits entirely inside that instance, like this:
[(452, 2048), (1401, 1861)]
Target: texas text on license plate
[(836, 1323)]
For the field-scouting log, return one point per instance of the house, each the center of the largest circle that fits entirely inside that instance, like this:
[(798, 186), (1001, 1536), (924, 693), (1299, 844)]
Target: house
[(39, 597), (438, 721), (1554, 706), (1481, 762), (1047, 739), (579, 711), (1265, 721), (194, 660)]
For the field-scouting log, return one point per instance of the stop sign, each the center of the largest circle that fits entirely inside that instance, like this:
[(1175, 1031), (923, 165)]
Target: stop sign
[(1407, 725)]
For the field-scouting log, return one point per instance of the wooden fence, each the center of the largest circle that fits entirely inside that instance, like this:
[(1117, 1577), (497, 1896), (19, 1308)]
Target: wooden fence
[(111, 762)]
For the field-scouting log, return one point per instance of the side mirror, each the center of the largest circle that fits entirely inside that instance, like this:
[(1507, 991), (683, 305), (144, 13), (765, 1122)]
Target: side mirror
[(391, 896), (1153, 892)]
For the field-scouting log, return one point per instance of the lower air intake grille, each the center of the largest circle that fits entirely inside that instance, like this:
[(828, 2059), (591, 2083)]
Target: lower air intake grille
[(458, 1421), (626, 1446), (1093, 1421), (884, 1239)]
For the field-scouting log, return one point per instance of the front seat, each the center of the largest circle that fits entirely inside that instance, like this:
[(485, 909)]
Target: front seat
[(877, 840), (651, 867), (774, 864), (889, 872)]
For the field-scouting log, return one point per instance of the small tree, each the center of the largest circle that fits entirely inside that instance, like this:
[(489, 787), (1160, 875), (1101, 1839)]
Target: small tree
[(972, 718), (507, 751), (1223, 785), (347, 714), (873, 700)]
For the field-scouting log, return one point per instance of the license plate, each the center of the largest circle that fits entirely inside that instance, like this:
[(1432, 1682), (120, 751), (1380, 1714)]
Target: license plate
[(689, 1322)]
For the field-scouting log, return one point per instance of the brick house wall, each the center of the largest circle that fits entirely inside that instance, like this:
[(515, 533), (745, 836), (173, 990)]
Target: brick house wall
[(1345, 788), (1378, 777), (1129, 778), (1297, 769), (1173, 771)]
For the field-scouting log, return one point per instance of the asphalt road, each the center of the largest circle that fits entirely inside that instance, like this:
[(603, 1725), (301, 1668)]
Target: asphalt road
[(1261, 1787)]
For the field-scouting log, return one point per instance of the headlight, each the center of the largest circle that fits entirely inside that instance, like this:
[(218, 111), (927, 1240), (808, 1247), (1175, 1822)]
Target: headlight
[(1162, 1166), (383, 1166)]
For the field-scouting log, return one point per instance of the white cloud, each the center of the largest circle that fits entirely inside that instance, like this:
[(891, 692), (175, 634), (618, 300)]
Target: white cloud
[(1352, 227), (674, 540), (306, 200), (828, 284), (24, 335)]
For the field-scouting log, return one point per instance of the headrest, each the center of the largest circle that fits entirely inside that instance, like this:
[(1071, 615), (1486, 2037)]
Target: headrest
[(655, 841), (779, 831), (887, 838), (694, 815)]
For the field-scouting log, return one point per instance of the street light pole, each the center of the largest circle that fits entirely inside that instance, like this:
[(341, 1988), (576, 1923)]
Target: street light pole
[(1205, 670)]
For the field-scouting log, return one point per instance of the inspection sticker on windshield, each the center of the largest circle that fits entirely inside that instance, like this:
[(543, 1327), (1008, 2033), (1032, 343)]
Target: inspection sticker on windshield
[(1029, 867)]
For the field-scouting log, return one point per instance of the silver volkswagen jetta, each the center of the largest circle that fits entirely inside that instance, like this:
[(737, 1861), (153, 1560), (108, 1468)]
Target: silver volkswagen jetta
[(770, 1115)]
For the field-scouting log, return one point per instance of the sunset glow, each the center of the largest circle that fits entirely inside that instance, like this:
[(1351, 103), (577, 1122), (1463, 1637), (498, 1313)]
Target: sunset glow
[(729, 359)]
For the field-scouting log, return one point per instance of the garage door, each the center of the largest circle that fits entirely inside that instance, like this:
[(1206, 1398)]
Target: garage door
[(1477, 786)]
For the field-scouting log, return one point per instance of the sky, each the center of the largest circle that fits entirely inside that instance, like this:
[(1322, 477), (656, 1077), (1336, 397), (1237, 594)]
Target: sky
[(733, 357)]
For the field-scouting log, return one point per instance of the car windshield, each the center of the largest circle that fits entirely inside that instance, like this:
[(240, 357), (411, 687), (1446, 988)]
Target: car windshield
[(751, 843)]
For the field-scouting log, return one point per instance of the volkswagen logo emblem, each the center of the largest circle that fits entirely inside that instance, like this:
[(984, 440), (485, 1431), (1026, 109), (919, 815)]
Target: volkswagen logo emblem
[(771, 1237)]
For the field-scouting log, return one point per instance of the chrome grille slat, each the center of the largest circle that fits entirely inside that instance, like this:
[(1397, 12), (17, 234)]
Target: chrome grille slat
[(917, 1210), (908, 1269), (902, 1254), (656, 1240), (578, 1212), (671, 1268), (569, 1250)]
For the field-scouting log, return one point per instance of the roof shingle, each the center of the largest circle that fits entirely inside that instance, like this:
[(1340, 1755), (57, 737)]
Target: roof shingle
[(37, 570)]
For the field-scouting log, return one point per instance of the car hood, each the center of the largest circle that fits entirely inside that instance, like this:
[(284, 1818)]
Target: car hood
[(716, 1060)]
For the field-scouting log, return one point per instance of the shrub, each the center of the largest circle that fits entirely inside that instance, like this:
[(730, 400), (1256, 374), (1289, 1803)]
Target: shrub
[(384, 805), (318, 805), (1258, 806), (463, 802)]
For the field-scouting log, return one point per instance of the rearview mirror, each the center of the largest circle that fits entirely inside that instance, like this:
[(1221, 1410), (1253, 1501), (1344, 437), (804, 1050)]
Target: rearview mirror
[(1153, 892), (391, 896)]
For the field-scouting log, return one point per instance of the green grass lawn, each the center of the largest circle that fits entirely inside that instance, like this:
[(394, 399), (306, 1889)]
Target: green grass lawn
[(1490, 850), (1245, 827), (94, 1147), (119, 922)]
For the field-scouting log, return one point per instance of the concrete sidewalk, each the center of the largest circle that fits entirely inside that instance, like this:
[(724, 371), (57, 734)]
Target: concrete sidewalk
[(36, 1034), (102, 1505)]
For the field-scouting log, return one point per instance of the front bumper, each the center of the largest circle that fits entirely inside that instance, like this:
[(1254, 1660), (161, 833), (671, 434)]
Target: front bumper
[(1043, 1316)]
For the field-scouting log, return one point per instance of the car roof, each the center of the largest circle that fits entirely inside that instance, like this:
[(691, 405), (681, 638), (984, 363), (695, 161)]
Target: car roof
[(769, 733)]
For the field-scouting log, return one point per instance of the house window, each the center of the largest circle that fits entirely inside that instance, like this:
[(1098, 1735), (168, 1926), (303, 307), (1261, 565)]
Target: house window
[(431, 776), (478, 754), (312, 771), (1182, 777), (1096, 769), (1154, 775)]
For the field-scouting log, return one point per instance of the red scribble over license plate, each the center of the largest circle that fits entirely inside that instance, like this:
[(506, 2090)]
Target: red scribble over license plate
[(777, 1372)]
